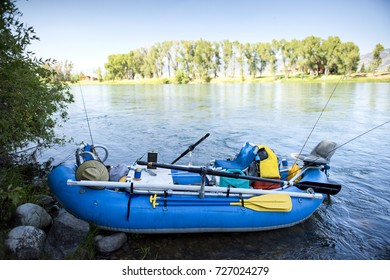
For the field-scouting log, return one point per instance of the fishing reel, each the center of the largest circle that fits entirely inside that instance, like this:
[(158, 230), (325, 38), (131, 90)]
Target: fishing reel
[(87, 152)]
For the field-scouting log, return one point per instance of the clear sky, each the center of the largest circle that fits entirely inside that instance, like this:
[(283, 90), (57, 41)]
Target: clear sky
[(87, 31)]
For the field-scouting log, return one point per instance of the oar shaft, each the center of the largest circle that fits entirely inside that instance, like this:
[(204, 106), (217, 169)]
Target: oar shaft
[(318, 186), (268, 202), (204, 170), (201, 200), (187, 193), (151, 187), (192, 203), (191, 148)]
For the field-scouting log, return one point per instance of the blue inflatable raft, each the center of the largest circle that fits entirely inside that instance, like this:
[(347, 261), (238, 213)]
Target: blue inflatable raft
[(164, 198)]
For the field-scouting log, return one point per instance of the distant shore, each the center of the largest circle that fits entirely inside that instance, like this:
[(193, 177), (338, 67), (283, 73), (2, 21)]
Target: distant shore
[(358, 78)]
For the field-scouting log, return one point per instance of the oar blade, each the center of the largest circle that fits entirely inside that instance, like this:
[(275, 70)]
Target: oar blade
[(274, 201), (268, 202), (318, 187)]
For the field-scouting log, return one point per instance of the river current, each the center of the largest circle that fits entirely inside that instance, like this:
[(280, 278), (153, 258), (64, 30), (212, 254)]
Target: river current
[(355, 224)]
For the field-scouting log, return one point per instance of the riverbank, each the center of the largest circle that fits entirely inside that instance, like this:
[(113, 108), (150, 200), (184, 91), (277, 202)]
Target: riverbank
[(355, 78)]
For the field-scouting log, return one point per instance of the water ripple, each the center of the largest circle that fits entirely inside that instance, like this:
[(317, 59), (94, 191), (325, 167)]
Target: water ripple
[(355, 224)]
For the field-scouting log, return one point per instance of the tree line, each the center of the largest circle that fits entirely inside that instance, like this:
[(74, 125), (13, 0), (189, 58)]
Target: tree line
[(201, 59)]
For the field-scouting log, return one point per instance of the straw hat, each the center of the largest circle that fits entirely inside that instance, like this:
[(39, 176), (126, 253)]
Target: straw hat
[(92, 170)]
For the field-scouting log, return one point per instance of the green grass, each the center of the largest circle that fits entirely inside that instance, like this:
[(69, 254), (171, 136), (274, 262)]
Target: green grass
[(355, 78)]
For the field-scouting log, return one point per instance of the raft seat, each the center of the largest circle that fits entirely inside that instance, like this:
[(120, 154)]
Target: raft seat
[(243, 159), (320, 155)]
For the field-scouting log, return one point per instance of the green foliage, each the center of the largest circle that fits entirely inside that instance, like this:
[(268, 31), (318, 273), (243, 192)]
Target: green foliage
[(363, 69), (348, 59), (227, 55), (165, 81), (181, 77), (240, 57), (32, 101), (87, 249), (376, 57), (99, 75), (331, 53), (204, 60), (311, 54), (20, 183), (12, 193), (251, 58), (61, 71)]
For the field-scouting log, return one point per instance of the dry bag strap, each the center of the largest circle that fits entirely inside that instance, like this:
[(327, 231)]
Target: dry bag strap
[(128, 203)]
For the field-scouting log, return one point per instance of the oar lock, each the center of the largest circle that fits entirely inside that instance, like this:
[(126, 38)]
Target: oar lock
[(310, 191), (153, 200)]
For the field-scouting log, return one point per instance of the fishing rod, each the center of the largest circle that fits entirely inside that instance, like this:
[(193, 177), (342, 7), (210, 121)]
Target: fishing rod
[(360, 135), (318, 119), (93, 147), (345, 143), (86, 114)]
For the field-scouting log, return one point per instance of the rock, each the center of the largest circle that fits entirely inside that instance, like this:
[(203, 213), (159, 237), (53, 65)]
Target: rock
[(65, 236), (26, 242), (46, 200), (111, 243), (98, 237), (33, 215)]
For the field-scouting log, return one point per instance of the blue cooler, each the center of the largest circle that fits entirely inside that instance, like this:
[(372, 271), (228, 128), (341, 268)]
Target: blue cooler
[(234, 183), (185, 177)]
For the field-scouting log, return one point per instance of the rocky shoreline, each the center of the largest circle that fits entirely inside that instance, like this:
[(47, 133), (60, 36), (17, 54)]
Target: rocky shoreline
[(58, 235)]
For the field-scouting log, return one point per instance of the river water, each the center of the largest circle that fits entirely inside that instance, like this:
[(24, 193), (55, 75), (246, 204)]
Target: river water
[(355, 224)]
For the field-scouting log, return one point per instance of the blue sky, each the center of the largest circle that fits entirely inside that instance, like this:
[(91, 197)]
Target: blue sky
[(87, 31)]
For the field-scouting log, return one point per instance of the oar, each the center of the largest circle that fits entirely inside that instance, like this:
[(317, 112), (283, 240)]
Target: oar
[(191, 148), (268, 202), (270, 199), (147, 188), (319, 187)]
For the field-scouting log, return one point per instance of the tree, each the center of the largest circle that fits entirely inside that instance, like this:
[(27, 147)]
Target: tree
[(203, 59), (272, 51), (376, 58), (331, 51), (284, 53), (166, 52), (216, 59), (363, 68), (227, 55), (32, 103), (175, 57), (137, 61), (158, 56), (186, 53), (117, 67), (291, 53), (348, 58), (251, 57), (98, 73), (240, 57), (262, 53), (311, 48), (62, 71)]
